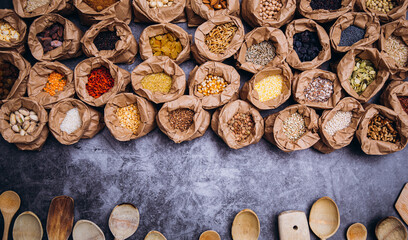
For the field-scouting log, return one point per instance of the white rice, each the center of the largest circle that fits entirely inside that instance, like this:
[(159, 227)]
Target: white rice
[(71, 122)]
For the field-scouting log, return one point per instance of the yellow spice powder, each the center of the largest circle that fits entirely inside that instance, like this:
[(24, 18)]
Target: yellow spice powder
[(269, 87), (157, 82), (129, 117)]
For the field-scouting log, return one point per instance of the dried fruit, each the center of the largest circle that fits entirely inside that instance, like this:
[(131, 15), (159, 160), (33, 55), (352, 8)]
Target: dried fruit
[(166, 45), (215, 4)]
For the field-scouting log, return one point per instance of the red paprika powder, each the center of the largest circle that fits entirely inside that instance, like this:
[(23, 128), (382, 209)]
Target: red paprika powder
[(100, 81), (404, 103)]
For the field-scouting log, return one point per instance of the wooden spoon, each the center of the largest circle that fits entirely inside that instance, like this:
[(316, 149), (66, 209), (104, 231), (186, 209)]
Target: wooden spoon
[(391, 228), (87, 230), (245, 226), (60, 218), (124, 221), (155, 235), (9, 205), (27, 227), (357, 231), (293, 225), (210, 235), (324, 218)]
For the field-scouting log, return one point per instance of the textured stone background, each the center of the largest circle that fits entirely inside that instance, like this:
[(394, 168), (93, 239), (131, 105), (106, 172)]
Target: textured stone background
[(184, 189)]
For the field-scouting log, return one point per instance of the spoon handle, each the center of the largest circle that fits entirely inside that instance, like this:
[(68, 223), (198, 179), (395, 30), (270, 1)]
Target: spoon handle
[(7, 221)]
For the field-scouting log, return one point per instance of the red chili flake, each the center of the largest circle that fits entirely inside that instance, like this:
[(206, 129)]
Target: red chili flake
[(404, 103), (100, 81)]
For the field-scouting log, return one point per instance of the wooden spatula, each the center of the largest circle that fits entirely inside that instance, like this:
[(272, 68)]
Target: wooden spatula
[(60, 218), (293, 225), (402, 204)]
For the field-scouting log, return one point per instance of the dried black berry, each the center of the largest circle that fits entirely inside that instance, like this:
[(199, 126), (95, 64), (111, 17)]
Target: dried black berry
[(306, 45)]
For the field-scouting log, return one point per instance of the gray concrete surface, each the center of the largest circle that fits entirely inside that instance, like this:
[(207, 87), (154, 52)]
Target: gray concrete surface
[(184, 189)]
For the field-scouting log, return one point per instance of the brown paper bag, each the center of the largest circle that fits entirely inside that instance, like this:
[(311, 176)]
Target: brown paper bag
[(37, 144), (71, 46), (144, 13), (89, 16), (394, 14), (365, 21), (346, 66), (193, 20), (20, 85), (220, 118), (64, 7), (203, 11), (301, 82), (323, 148), (200, 50), (125, 49), (397, 28), (83, 70), (230, 93), (250, 13), (201, 119), (249, 93), (96, 125), (13, 105), (19, 25), (259, 35), (322, 15), (158, 64), (374, 147), (389, 98), (39, 77), (159, 29), (147, 116), (301, 25), (274, 129)]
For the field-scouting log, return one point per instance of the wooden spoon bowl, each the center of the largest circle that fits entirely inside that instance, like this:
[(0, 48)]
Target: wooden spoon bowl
[(87, 230), (391, 228), (245, 226), (357, 231), (210, 235), (324, 218), (155, 235), (124, 221), (27, 227), (60, 218), (9, 205)]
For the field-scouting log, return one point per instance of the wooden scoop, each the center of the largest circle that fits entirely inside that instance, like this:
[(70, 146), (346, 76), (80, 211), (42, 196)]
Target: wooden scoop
[(324, 218), (27, 227), (60, 218), (391, 228), (402, 204), (124, 221), (155, 235), (9, 205), (357, 231), (245, 226), (293, 225), (87, 230), (210, 235)]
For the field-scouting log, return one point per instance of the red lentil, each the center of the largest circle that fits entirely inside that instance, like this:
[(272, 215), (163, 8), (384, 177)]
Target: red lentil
[(56, 82), (99, 82)]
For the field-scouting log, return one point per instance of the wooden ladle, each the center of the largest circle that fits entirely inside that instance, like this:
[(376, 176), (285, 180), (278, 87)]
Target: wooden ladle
[(357, 231), (210, 235), (87, 230), (60, 218), (391, 228), (9, 205), (324, 218), (155, 235), (124, 221), (27, 227), (245, 226)]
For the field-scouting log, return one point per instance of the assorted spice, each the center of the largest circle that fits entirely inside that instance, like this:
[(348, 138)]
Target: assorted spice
[(129, 117), (71, 122), (381, 5), (363, 75), (8, 75), (215, 4), (242, 125), (159, 3), (340, 121), (307, 45), (325, 4), (396, 48), (166, 45), (99, 82), (157, 82), (351, 35), (7, 32), (268, 9), (34, 4), (270, 87), (56, 82), (212, 85), (294, 126), (220, 37), (23, 121), (106, 40), (404, 103), (52, 37), (261, 53), (181, 119), (319, 90), (99, 5), (382, 129)]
